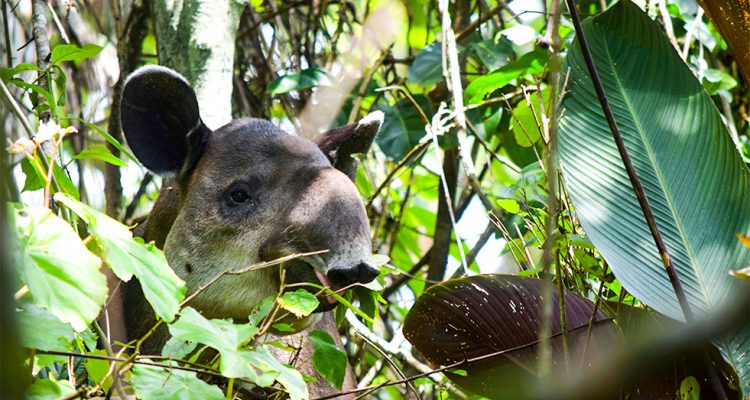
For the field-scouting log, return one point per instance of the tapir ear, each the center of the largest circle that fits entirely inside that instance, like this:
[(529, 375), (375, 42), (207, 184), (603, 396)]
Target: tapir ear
[(161, 120), (340, 144)]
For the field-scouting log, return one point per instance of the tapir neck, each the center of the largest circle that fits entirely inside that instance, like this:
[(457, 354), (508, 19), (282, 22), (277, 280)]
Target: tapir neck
[(163, 214)]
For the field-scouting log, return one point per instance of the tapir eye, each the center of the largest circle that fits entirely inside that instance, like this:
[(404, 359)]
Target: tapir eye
[(239, 196)]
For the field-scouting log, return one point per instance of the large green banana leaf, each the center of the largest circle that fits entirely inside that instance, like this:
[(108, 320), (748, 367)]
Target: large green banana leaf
[(695, 180)]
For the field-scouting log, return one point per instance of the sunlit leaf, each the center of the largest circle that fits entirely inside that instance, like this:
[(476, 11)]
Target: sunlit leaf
[(98, 152), (128, 256), (530, 63), (225, 337), (165, 383), (690, 389), (71, 52), (98, 370), (300, 302), (527, 118), (7, 73), (61, 273), (692, 174)]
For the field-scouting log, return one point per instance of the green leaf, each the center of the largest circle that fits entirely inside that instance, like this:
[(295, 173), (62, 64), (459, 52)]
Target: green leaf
[(165, 383), (493, 54), (216, 333), (261, 311), (61, 273), (427, 67), (7, 73), (282, 327), (225, 337), (97, 370), (99, 152), (328, 359), (287, 376), (71, 52), (690, 389), (530, 63), (305, 79), (128, 256), (696, 182), (50, 389), (509, 205), (41, 330), (300, 302), (527, 118), (403, 127), (177, 348), (258, 366), (34, 180)]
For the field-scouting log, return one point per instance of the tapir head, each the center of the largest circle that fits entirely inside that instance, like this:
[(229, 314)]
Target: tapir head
[(245, 193)]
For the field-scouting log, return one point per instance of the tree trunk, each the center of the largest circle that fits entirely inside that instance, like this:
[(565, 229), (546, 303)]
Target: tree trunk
[(196, 38)]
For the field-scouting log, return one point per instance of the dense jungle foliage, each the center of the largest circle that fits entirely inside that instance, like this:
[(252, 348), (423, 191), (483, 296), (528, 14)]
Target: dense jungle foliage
[(516, 260)]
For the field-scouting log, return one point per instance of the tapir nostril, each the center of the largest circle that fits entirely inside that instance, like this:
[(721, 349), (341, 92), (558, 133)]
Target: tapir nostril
[(362, 273), (367, 273)]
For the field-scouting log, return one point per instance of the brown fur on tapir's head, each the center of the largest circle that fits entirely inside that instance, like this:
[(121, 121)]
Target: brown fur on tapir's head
[(245, 193)]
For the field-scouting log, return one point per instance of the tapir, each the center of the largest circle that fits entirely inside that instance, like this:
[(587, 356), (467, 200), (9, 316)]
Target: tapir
[(239, 195)]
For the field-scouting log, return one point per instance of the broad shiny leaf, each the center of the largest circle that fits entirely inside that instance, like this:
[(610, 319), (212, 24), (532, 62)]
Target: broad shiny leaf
[(467, 318), (694, 178)]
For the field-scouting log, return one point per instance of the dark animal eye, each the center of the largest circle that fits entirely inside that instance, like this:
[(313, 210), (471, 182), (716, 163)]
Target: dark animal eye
[(239, 196)]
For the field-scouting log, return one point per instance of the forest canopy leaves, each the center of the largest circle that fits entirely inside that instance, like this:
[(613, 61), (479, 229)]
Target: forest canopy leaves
[(695, 180)]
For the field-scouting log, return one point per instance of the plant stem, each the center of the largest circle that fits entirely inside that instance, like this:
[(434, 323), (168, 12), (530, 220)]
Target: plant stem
[(638, 188)]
